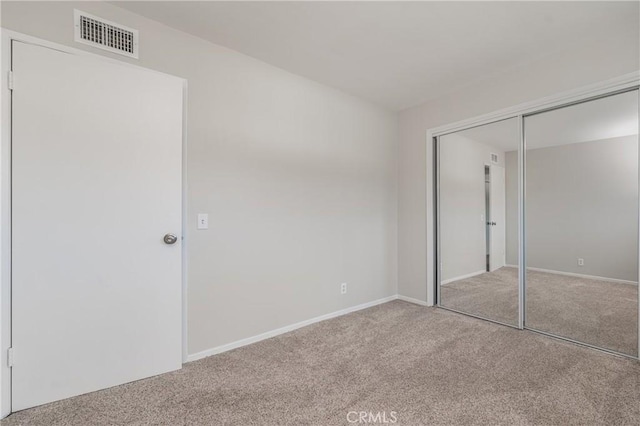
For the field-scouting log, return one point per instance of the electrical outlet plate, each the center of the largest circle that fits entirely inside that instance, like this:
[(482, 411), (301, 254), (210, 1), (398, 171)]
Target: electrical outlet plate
[(343, 288), (580, 262)]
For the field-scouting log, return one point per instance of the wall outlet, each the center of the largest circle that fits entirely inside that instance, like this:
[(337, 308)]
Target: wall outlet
[(580, 262), (343, 288)]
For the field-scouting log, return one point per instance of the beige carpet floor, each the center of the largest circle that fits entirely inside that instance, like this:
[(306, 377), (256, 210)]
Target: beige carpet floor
[(428, 365), (601, 313)]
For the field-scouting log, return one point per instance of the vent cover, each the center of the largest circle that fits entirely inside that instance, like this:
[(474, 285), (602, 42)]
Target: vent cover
[(494, 158), (104, 34)]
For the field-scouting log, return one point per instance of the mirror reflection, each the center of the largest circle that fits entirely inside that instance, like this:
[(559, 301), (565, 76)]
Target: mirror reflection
[(478, 221), (582, 222)]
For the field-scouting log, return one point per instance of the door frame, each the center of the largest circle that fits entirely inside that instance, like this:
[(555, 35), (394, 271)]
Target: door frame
[(492, 239), (7, 37), (487, 215), (601, 89)]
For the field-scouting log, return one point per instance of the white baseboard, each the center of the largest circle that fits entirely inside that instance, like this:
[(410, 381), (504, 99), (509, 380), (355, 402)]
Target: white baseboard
[(412, 300), (286, 329), (588, 277), (462, 277), (572, 274)]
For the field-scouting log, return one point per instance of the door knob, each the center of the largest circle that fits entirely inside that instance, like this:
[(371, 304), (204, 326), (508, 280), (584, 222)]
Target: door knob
[(170, 239)]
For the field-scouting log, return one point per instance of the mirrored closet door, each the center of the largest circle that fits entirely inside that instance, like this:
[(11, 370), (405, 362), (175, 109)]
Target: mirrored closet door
[(478, 221), (581, 221), (558, 188)]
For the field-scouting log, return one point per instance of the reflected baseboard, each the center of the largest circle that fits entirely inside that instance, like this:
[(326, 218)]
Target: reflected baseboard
[(573, 274), (548, 271), (462, 277)]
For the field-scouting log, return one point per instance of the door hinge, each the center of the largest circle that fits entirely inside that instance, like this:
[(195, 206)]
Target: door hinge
[(10, 80), (10, 357)]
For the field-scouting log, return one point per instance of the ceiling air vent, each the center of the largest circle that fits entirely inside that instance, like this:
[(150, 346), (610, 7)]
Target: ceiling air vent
[(104, 34), (494, 158)]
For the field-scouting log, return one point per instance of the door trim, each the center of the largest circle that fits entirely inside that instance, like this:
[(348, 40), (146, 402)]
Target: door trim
[(503, 261), (7, 37)]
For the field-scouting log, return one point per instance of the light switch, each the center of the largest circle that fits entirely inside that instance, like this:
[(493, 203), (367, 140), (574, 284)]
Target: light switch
[(203, 221)]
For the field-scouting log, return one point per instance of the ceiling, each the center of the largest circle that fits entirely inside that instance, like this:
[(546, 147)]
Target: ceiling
[(605, 118), (398, 54)]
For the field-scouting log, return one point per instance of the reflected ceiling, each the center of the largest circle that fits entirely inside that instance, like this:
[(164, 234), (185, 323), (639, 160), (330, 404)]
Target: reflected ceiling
[(605, 118)]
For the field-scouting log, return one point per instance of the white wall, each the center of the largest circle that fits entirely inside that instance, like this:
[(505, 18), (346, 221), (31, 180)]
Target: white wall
[(582, 202), (299, 181), (462, 204), (556, 73)]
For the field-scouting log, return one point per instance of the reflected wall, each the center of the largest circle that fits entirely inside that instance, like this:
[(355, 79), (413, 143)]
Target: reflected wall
[(581, 178)]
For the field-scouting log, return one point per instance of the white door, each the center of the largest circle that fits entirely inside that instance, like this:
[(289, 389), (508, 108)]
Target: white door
[(96, 184), (498, 217)]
